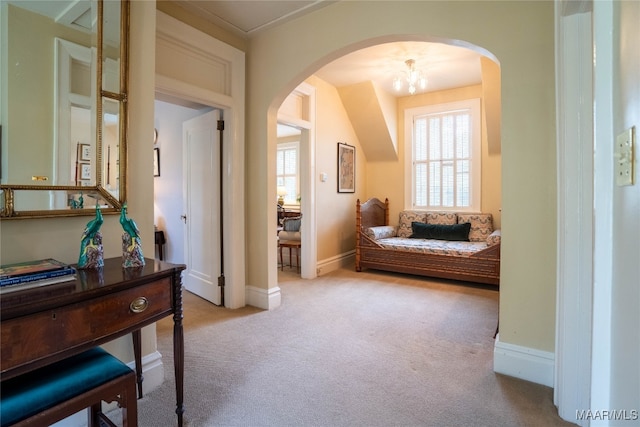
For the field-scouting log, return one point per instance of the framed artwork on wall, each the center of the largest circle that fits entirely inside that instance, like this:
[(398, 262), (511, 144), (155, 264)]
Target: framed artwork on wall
[(85, 152), (346, 168), (84, 171)]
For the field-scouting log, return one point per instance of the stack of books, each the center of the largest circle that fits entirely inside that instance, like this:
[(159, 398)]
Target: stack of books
[(32, 274)]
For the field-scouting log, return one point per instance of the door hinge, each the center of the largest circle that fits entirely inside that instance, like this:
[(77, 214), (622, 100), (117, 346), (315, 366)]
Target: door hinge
[(221, 281), (220, 125)]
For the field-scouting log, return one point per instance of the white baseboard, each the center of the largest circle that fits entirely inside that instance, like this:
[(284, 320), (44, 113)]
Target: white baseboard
[(153, 375), (266, 299), (522, 362), (330, 264)]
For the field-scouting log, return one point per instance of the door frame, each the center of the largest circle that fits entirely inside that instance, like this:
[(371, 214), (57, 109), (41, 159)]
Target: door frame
[(306, 94), (176, 38)]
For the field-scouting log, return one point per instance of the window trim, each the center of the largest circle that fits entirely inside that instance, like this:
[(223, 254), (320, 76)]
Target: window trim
[(472, 104)]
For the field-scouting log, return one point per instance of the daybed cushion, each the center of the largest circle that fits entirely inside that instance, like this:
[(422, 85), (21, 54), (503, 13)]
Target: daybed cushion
[(452, 232), (381, 232), (405, 220), (481, 225), (442, 218), (430, 246), (494, 238)]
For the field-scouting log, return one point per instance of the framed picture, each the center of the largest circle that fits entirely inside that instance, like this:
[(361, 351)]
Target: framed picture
[(156, 162), (85, 171), (346, 168), (85, 152)]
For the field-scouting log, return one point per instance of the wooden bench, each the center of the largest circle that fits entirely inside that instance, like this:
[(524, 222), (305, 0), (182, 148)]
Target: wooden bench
[(50, 394)]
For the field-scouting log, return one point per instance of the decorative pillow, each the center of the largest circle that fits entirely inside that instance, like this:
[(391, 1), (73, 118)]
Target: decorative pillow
[(494, 238), (381, 232), (406, 218), (442, 218), (292, 223), (481, 225), (452, 232)]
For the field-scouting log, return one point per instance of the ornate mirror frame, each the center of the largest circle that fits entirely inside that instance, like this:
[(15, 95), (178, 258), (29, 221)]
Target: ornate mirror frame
[(109, 202)]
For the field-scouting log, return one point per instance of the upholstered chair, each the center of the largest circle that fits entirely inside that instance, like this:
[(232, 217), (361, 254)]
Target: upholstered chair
[(290, 228)]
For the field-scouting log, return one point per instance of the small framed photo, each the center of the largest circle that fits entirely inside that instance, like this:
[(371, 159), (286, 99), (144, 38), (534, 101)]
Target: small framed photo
[(346, 168), (85, 171), (156, 162), (85, 152)]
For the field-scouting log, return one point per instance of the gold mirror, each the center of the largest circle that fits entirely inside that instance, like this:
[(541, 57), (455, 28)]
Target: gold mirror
[(63, 110)]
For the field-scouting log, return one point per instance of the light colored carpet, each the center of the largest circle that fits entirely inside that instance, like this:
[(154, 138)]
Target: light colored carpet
[(347, 349)]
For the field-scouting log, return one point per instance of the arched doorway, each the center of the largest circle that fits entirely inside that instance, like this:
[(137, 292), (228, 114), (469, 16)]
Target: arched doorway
[(354, 61)]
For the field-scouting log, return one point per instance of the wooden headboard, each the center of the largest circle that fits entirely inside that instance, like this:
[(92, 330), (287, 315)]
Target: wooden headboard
[(372, 213)]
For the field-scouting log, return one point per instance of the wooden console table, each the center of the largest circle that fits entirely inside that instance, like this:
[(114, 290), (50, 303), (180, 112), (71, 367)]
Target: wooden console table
[(39, 326)]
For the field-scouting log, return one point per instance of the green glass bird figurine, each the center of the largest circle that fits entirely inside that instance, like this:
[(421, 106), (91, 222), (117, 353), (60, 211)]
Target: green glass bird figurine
[(129, 225), (91, 253), (131, 241)]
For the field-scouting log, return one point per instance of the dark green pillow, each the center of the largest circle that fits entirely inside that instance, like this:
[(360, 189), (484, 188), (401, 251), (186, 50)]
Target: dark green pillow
[(453, 232)]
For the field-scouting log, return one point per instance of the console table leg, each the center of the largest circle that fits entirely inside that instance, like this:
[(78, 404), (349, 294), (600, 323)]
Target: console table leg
[(178, 351), (137, 351)]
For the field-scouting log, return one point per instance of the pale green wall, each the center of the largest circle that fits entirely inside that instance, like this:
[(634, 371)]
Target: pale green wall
[(22, 240), (520, 35)]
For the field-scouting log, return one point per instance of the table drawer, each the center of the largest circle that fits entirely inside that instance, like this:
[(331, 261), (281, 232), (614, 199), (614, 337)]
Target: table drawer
[(28, 338)]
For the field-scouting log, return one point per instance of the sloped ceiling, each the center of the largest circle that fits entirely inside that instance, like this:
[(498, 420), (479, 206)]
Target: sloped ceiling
[(372, 115)]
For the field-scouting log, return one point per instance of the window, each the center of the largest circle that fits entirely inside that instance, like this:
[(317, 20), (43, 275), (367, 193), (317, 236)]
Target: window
[(444, 154), (287, 171)]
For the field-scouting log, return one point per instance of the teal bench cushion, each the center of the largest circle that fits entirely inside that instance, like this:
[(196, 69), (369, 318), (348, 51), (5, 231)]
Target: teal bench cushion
[(36, 391)]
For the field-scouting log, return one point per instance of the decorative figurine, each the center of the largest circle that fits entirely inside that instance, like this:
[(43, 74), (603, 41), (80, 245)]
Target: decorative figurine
[(131, 242), (91, 251)]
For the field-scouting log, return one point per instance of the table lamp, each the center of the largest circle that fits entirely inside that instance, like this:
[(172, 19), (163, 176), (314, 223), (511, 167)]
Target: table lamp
[(282, 191)]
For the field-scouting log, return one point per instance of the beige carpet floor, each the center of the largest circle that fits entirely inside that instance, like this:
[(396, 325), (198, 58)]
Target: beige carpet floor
[(347, 349)]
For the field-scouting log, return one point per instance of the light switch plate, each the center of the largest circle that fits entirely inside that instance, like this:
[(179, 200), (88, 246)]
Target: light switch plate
[(624, 157)]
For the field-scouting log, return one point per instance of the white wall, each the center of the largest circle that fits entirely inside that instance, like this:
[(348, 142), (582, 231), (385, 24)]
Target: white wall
[(168, 186), (625, 285)]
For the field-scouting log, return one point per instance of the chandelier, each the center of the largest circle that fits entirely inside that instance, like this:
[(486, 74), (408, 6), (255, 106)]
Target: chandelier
[(413, 77)]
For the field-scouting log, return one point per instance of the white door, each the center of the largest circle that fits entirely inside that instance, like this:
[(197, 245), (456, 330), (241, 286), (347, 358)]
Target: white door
[(201, 187)]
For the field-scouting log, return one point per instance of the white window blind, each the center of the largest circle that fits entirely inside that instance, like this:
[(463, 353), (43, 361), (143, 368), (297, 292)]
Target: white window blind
[(287, 171), (445, 156)]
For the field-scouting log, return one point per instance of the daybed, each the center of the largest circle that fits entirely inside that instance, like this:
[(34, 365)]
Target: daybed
[(382, 246)]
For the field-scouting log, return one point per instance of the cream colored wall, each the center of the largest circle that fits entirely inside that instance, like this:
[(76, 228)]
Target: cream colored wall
[(520, 35), (22, 240), (336, 211)]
